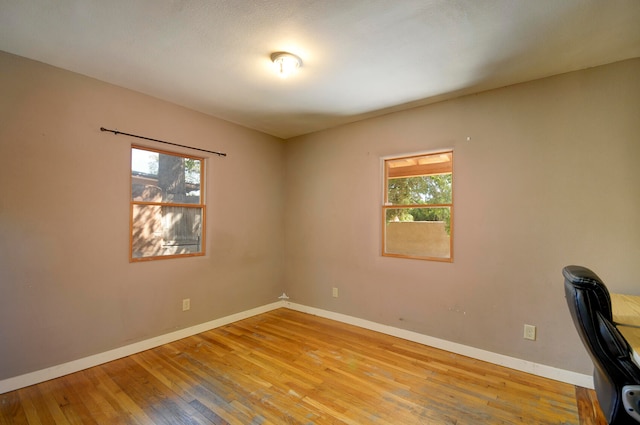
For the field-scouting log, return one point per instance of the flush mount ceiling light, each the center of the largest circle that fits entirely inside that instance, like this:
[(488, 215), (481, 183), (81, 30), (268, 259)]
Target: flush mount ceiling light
[(286, 63)]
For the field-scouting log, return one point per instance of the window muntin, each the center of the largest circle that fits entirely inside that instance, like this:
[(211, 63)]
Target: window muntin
[(418, 207), (167, 206)]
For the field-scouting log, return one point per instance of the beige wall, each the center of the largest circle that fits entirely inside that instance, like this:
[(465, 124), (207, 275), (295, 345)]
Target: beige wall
[(549, 177), (67, 289)]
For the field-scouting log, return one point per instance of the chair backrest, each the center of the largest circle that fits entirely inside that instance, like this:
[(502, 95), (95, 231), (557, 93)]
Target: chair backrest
[(590, 306)]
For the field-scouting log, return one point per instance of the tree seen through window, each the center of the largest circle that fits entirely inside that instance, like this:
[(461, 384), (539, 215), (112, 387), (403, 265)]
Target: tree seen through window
[(167, 211)]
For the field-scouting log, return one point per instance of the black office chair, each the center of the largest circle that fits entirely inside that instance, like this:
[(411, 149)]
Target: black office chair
[(616, 377)]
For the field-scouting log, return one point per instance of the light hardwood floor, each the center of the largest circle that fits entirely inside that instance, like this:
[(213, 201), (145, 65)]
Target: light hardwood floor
[(286, 367)]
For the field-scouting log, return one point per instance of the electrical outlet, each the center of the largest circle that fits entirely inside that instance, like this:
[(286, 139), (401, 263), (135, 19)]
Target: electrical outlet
[(186, 304), (530, 332), (334, 292)]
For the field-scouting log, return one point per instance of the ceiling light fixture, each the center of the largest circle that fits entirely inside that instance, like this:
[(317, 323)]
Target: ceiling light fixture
[(286, 63)]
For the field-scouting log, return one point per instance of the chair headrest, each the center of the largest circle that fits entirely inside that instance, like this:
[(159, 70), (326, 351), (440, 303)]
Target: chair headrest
[(596, 294), (581, 276)]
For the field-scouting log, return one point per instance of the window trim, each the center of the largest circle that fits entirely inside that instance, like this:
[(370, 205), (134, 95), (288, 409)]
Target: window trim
[(385, 206), (201, 206)]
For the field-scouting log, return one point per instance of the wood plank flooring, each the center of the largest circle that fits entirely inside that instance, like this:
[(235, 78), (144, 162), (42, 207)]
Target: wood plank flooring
[(286, 367)]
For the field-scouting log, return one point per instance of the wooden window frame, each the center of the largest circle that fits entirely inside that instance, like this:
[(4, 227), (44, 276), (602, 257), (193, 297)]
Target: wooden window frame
[(200, 206), (411, 171)]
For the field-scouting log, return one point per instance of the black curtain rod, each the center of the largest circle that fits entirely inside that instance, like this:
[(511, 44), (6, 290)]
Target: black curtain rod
[(116, 132)]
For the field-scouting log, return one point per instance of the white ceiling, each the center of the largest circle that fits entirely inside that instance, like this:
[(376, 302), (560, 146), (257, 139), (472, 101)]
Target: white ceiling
[(361, 58)]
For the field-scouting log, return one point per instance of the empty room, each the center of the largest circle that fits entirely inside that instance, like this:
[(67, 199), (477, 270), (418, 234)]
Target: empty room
[(319, 212)]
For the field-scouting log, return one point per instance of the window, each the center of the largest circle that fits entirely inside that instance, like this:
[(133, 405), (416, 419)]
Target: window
[(418, 207), (167, 206)]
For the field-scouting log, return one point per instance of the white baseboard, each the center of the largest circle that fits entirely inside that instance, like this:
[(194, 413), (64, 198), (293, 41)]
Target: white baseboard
[(36, 377), (545, 371)]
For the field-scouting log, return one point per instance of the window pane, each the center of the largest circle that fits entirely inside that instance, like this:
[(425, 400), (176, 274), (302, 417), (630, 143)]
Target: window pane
[(166, 230), (161, 177), (420, 190), (418, 232)]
